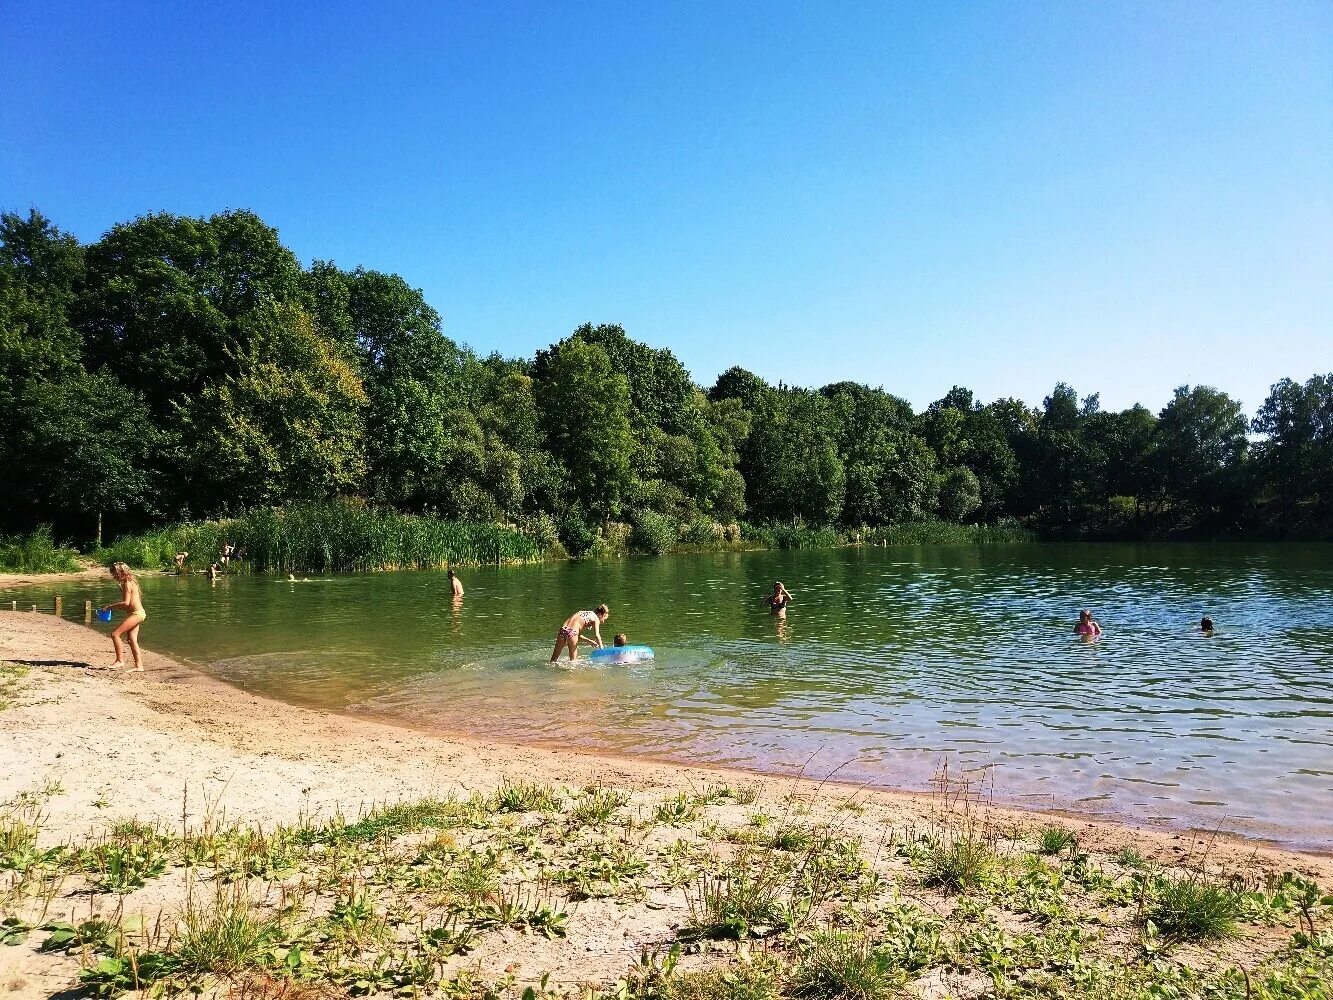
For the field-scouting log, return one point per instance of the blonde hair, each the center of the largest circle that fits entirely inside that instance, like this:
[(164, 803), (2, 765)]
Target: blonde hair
[(121, 571)]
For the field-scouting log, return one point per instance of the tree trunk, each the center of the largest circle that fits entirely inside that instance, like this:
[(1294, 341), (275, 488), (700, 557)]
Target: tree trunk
[(99, 529)]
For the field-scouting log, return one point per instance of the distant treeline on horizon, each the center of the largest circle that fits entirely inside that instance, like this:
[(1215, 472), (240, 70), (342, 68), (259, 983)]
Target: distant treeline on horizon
[(184, 368)]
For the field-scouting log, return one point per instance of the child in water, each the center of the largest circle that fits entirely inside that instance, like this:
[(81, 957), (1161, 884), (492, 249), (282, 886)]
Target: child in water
[(571, 632), (1086, 627), (1206, 626), (779, 599), (621, 639)]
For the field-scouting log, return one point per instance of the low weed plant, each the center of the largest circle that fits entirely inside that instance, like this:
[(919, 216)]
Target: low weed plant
[(1192, 908)]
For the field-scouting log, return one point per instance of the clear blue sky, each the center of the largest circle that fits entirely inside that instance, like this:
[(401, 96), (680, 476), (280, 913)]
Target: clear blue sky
[(1123, 196)]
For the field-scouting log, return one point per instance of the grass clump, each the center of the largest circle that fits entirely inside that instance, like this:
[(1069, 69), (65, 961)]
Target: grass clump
[(677, 810), (396, 820), (1190, 908), (844, 966), (759, 979), (224, 933), (36, 553), (526, 796), (1130, 857), (597, 806), (19, 829), (958, 863), (1054, 839), (744, 901)]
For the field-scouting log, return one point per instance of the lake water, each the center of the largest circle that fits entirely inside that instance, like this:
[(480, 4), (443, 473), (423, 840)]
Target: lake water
[(891, 663)]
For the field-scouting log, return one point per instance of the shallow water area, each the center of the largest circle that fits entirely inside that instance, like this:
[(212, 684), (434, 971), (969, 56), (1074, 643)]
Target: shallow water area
[(891, 663)]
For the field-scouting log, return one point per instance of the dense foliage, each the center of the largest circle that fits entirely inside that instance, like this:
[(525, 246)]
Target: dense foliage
[(187, 369)]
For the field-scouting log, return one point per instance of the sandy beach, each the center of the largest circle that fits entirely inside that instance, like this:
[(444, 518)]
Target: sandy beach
[(85, 750)]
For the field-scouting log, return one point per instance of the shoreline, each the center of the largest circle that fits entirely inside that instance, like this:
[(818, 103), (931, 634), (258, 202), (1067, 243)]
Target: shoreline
[(107, 759), (182, 672), (56, 644)]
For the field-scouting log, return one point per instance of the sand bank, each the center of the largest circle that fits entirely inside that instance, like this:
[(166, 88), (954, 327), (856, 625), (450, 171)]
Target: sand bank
[(171, 748)]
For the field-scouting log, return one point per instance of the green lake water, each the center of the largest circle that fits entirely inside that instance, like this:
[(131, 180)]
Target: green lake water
[(891, 663)]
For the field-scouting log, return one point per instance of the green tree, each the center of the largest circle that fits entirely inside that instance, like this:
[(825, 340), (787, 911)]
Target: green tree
[(962, 432), (73, 443), (286, 424), (1294, 464), (584, 407), (960, 494), (168, 297), (790, 459), (417, 383), (1201, 442), (660, 389), (739, 384), (891, 471)]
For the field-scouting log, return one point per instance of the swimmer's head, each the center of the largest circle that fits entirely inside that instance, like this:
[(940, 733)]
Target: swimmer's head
[(1206, 625), (602, 612), (621, 639)]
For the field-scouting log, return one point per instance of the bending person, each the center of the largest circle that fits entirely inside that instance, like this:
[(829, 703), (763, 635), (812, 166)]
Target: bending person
[(131, 600), (571, 632)]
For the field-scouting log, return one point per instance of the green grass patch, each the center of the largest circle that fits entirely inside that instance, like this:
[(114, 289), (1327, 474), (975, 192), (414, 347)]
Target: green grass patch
[(1054, 839), (957, 863), (845, 966), (36, 553), (526, 796), (1190, 908)]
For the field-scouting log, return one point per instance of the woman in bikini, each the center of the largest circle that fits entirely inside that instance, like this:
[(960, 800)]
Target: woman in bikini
[(131, 600), (571, 633), (777, 601)]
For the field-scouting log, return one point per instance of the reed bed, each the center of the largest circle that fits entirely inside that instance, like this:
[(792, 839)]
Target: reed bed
[(36, 553), (932, 532), (328, 537)]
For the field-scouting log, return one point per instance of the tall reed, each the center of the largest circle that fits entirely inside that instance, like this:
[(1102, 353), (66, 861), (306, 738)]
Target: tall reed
[(933, 532), (36, 553), (328, 537)]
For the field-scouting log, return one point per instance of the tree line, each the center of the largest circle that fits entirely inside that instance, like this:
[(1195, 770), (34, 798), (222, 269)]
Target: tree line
[(188, 368)]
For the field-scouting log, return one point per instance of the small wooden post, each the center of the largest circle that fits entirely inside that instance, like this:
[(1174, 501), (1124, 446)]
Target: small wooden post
[(87, 612), (14, 605), (60, 606), (34, 609)]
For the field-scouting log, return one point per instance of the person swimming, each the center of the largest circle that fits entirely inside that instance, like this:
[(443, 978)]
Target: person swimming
[(455, 585), (571, 632), (621, 639), (132, 601), (778, 600), (1087, 627), (1206, 625)]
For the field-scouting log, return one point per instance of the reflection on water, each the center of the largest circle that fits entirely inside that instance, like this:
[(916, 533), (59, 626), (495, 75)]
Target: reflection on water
[(890, 660)]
